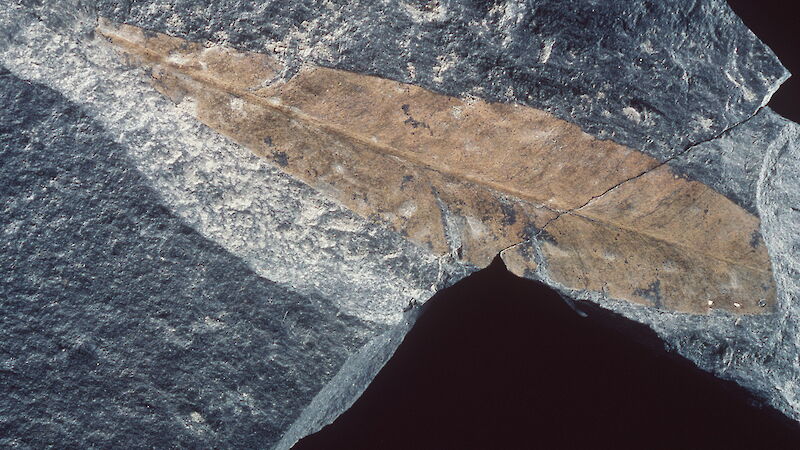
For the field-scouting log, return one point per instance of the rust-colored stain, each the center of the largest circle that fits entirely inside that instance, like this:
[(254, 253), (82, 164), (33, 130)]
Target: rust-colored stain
[(473, 178)]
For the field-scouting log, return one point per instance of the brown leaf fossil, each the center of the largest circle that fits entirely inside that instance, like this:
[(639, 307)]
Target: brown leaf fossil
[(473, 178)]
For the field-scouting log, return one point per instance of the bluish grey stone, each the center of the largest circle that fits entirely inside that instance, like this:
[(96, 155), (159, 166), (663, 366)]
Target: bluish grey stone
[(162, 283), (121, 326), (658, 76), (760, 352)]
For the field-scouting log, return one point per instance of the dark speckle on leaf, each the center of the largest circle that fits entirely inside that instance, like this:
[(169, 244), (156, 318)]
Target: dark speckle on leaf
[(509, 214), (406, 179), (411, 121), (652, 293), (281, 158), (544, 236), (755, 239)]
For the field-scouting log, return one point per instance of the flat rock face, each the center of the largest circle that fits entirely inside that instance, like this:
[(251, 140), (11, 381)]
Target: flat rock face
[(244, 185), (122, 324)]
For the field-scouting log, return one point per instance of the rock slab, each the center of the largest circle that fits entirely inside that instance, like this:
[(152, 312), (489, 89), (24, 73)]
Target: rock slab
[(109, 177)]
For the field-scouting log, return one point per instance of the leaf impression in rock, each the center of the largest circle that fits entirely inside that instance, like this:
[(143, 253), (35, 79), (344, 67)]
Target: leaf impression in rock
[(472, 178)]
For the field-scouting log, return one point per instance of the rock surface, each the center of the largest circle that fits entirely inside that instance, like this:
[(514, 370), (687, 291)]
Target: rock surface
[(122, 324), (680, 84), (656, 76)]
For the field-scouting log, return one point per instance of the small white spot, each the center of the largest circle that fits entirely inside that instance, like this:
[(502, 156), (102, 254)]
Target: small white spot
[(710, 303), (706, 123), (280, 48), (746, 93), (412, 71), (476, 227), (738, 305), (174, 22), (609, 256), (221, 37), (196, 417), (177, 59), (435, 13), (237, 104), (457, 112), (632, 114), (212, 323), (547, 50), (471, 147), (407, 209), (444, 64)]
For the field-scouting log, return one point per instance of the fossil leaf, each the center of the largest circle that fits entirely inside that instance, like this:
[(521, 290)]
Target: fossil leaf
[(472, 178)]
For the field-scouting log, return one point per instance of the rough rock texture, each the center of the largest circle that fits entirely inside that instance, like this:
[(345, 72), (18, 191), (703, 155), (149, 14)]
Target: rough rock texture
[(285, 230), (119, 323), (657, 77), (350, 382), (758, 352), (732, 162), (285, 265)]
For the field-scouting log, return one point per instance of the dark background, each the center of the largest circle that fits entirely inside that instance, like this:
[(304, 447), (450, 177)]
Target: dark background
[(500, 362)]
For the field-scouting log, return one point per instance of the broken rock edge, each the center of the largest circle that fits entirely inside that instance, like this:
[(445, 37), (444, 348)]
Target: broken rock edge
[(760, 334), (358, 371), (600, 298), (374, 355), (618, 305), (627, 308), (666, 162), (446, 276)]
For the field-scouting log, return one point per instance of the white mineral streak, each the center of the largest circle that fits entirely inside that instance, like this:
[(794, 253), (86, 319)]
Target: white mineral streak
[(283, 229), (547, 50)]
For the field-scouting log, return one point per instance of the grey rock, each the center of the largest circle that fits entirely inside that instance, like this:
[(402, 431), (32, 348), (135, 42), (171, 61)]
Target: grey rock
[(120, 325), (285, 230), (349, 383), (266, 287), (732, 162), (264, 226), (656, 76), (759, 352)]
